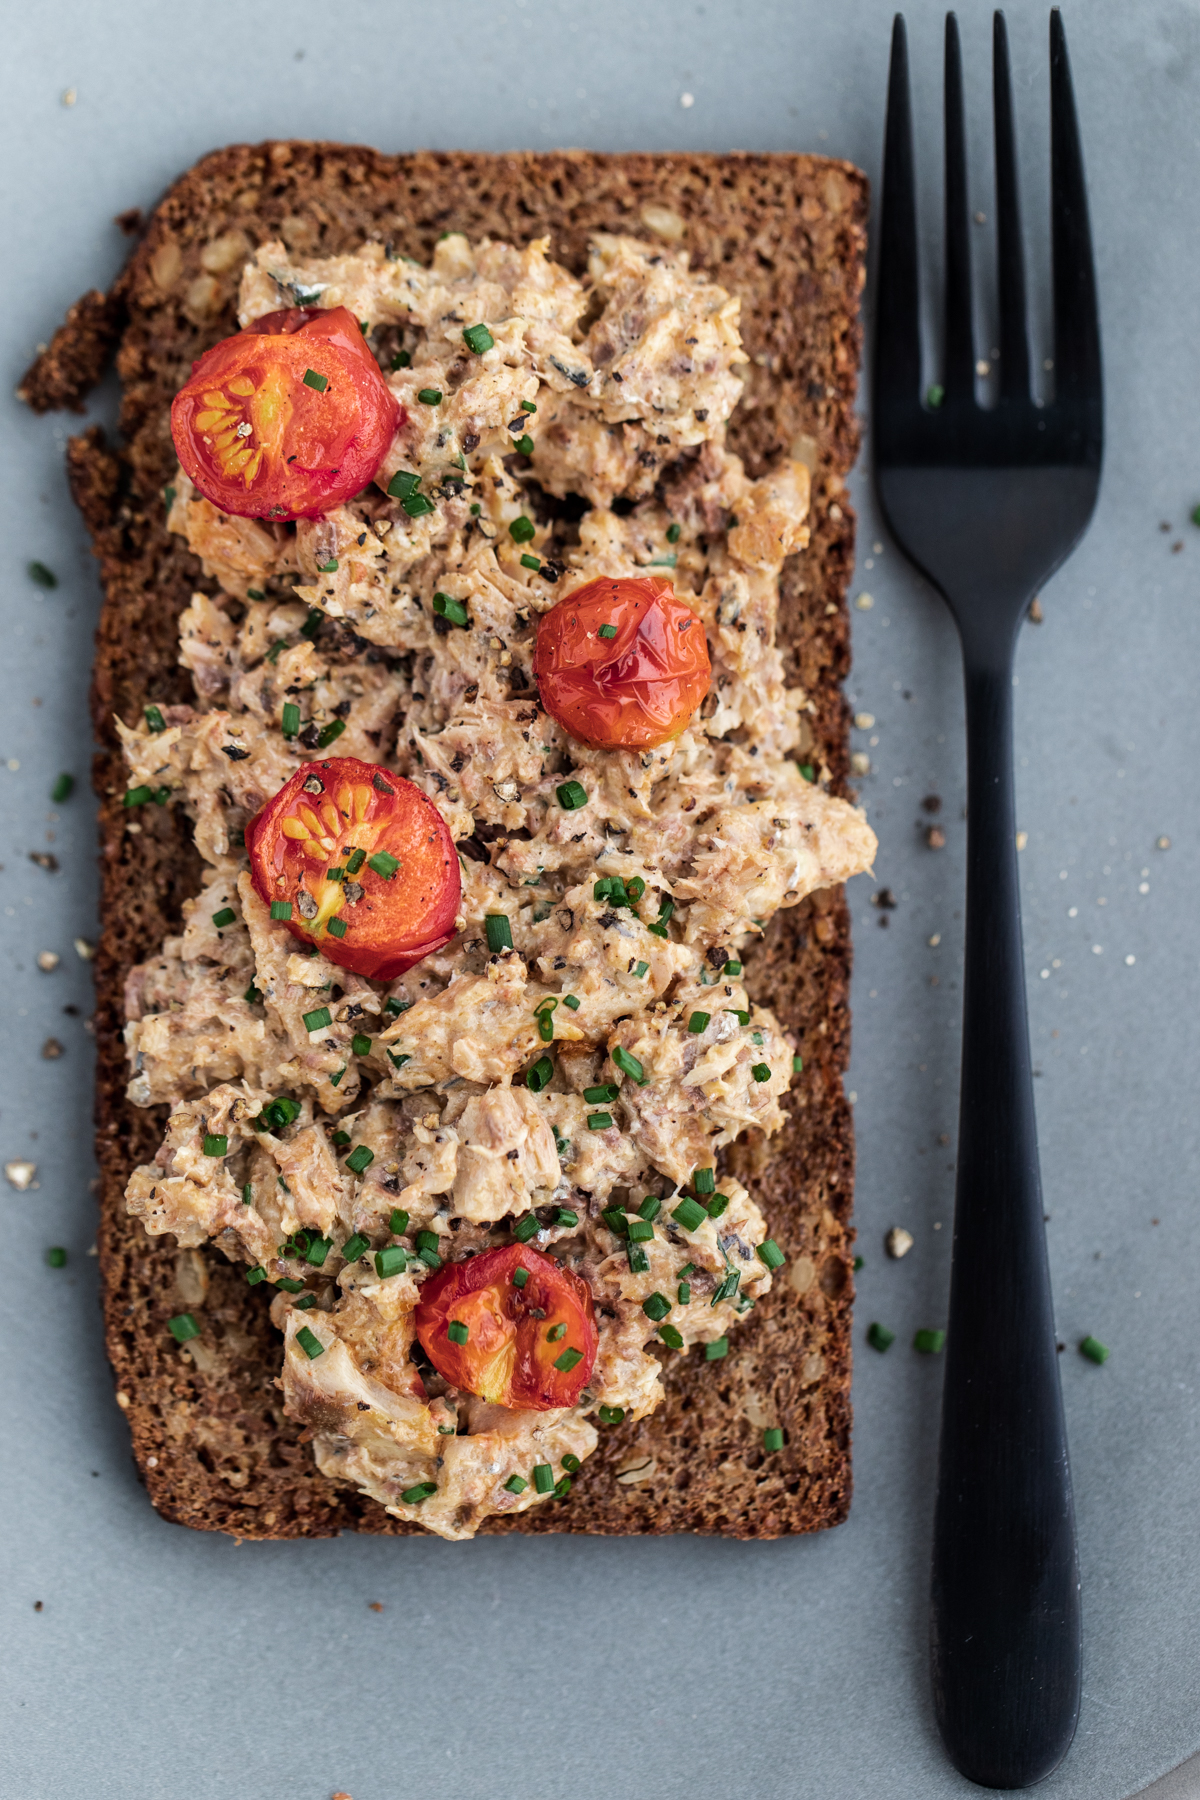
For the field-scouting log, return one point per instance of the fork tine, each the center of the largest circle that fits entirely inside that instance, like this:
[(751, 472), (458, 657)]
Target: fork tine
[(1014, 334), (1076, 316), (959, 361), (897, 307)]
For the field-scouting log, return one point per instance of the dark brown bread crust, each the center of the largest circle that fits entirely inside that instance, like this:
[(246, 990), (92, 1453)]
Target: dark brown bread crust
[(787, 234)]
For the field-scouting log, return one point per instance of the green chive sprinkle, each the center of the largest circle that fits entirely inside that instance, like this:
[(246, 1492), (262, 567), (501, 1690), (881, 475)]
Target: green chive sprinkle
[(522, 530), (565, 1216), (41, 576), (639, 1262), (478, 338), (416, 506), (383, 864), (336, 928), (392, 1260), (307, 1304), (571, 796), (360, 1045), (397, 1062), (689, 1215), (629, 1065), (611, 1415), (516, 1484), (447, 607), (641, 1231), (355, 861), (531, 562), (62, 789), (543, 1477), (546, 1026), (733, 970), (403, 484), (226, 916), (599, 1121), (770, 1253), (216, 1144), (401, 360), (772, 1439), (329, 732), (674, 533), (571, 1001), (879, 1337), (498, 930), (169, 500), (699, 1022), (254, 1276), (290, 1285), (524, 445), (716, 1350), (717, 1205), (354, 1246), (761, 1071), (935, 394), (640, 970), (318, 1250), (683, 1293), (567, 1361), (413, 1496), (255, 594), (929, 1341), (797, 1065), (290, 722), (317, 1019), (183, 1328), (556, 1333), (599, 1096), (526, 1228), (360, 1158), (457, 1332), (1093, 1349), (336, 1080), (281, 909), (672, 1338), (656, 1306), (56, 1256), (616, 1221), (520, 1277), (858, 1263), (154, 719), (138, 796), (313, 380), (540, 1075), (395, 1007), (430, 396), (247, 1193), (704, 1180), (807, 770), (328, 568)]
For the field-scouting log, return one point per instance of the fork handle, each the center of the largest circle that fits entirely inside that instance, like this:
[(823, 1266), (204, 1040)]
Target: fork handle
[(1005, 1603)]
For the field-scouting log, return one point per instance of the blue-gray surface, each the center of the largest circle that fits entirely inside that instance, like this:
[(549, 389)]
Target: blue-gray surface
[(165, 1663)]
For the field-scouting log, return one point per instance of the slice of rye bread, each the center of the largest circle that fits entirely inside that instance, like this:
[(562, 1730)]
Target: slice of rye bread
[(787, 234)]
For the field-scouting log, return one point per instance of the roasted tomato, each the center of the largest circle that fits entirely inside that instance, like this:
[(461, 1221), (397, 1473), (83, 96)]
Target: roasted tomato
[(622, 664), (529, 1344), (287, 419), (358, 861)]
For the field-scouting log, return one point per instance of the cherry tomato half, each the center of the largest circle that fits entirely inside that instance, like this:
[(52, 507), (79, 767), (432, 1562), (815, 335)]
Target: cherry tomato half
[(622, 664), (526, 1346), (364, 862), (287, 419)]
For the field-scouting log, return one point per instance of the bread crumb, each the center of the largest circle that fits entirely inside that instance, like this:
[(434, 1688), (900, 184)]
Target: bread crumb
[(898, 1242), (20, 1175), (69, 97), (376, 1605), (123, 1400), (52, 1049), (863, 721), (1162, 843), (84, 949), (48, 961), (935, 837), (865, 602), (686, 100), (1022, 839)]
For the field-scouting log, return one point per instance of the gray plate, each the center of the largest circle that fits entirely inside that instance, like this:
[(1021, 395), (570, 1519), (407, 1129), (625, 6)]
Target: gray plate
[(166, 1663)]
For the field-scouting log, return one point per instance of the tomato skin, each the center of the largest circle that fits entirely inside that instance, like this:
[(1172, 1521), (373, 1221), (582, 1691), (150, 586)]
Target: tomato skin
[(631, 691), (308, 449), (509, 1356), (301, 833)]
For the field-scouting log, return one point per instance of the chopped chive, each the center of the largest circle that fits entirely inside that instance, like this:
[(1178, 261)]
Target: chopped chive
[(279, 1113), (516, 1484), (360, 1158), (770, 1253), (398, 1061), (565, 1216), (355, 861), (354, 1246), (571, 796), (1093, 1349), (797, 1065), (328, 568), (401, 360), (689, 1215), (307, 1304), (930, 1342), (183, 1328), (629, 1065), (728, 1287), (772, 1439), (858, 1263), (761, 1071), (62, 789), (247, 1193), (281, 909), (756, 1037), (640, 970), (398, 1222), (672, 1338), (403, 484), (138, 796), (674, 533), (430, 1258), (599, 1121), (732, 969), (216, 1143), (360, 1045), (154, 718), (313, 380), (413, 1496), (430, 396), (318, 1250), (416, 506), (391, 1260), (447, 607), (641, 1231), (478, 338), (161, 796), (704, 1180), (457, 1332), (699, 1022), (616, 1221), (290, 722), (41, 576), (571, 1463), (522, 530), (56, 1256), (226, 916), (639, 1262), (254, 1276), (546, 1027), (526, 1228), (571, 1001), (611, 1415), (543, 1477), (337, 1079), (395, 1007), (336, 928), (607, 631), (341, 1139), (290, 1285), (683, 1293), (658, 930), (329, 732), (383, 864), (716, 1350), (317, 1019), (497, 928), (687, 1269), (718, 1205), (879, 1337), (807, 770), (427, 1240), (650, 1208), (520, 1277), (555, 1333), (169, 493), (524, 445), (540, 1075), (935, 394), (602, 1094), (567, 1360), (531, 562), (656, 1306), (476, 509)]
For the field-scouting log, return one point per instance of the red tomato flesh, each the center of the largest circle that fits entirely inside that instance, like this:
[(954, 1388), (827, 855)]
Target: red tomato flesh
[(286, 420), (312, 847), (515, 1335), (622, 664)]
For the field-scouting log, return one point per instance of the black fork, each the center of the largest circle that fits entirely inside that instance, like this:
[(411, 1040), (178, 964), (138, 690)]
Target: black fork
[(987, 503)]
